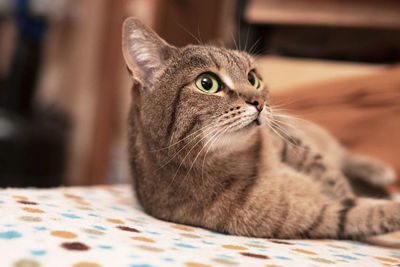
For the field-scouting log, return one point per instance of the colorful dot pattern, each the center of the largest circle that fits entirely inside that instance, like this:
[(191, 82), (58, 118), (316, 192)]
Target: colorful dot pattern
[(102, 226)]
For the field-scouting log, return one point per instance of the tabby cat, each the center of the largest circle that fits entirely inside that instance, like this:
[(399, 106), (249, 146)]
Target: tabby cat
[(207, 149)]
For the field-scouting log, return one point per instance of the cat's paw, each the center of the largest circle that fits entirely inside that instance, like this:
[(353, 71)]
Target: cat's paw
[(382, 175), (372, 171)]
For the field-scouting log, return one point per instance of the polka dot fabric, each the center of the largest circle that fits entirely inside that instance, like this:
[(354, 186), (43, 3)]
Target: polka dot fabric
[(105, 226)]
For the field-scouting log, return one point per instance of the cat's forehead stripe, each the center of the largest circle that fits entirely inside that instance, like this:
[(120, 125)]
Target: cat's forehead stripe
[(227, 57), (248, 60), (214, 60), (238, 61)]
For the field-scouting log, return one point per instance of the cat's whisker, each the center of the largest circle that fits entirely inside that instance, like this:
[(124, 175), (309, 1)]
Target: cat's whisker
[(198, 33), (173, 156), (286, 102), (284, 123), (198, 154), (240, 35), (247, 38), (251, 51), (186, 137), (293, 114), (208, 149), (291, 118), (289, 139), (280, 132), (285, 140), (205, 155), (209, 142), (278, 109), (210, 125), (234, 41), (278, 127), (277, 113), (191, 34), (281, 112), (183, 160), (278, 105)]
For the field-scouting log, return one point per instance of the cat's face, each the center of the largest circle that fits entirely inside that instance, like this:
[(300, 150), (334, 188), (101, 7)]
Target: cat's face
[(201, 92)]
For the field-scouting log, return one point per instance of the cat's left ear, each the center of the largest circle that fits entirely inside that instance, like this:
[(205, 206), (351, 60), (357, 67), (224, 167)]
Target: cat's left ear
[(144, 51)]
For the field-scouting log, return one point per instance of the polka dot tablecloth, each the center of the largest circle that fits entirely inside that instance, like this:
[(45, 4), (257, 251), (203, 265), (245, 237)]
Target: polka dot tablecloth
[(104, 226)]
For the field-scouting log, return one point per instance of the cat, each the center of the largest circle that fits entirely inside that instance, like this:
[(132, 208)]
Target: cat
[(207, 149)]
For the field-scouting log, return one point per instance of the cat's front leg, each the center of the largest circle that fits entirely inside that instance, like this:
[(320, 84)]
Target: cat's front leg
[(307, 161), (291, 206)]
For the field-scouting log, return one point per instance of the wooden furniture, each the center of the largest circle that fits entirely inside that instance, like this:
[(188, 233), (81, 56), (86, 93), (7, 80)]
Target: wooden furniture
[(349, 30), (286, 73), (363, 112), (353, 13)]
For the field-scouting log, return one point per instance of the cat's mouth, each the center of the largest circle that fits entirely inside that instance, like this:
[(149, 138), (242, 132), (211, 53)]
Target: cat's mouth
[(238, 134), (254, 123), (246, 123)]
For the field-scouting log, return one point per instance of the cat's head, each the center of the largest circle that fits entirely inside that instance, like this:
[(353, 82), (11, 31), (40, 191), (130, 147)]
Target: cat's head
[(197, 91)]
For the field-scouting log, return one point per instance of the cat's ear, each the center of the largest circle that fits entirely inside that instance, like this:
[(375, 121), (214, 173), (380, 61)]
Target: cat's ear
[(144, 51)]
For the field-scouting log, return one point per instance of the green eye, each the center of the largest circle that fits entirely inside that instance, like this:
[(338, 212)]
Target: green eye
[(253, 79), (208, 82)]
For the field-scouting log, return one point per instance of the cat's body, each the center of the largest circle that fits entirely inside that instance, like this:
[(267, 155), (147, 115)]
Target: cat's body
[(215, 155)]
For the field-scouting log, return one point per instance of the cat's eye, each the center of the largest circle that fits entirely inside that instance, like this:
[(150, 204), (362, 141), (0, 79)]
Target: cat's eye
[(253, 79), (208, 82)]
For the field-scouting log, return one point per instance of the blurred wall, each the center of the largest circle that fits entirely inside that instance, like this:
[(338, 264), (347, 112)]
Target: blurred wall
[(83, 72)]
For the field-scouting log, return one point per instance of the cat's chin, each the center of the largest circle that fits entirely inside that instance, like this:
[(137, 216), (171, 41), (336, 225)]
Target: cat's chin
[(252, 125), (237, 139), (245, 130)]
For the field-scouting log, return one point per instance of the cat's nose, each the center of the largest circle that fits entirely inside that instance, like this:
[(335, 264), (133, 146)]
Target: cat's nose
[(258, 102)]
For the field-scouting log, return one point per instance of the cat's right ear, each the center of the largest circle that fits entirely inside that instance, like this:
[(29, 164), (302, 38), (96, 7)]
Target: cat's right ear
[(144, 51)]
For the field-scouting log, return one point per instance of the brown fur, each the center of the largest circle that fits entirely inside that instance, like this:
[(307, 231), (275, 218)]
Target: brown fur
[(215, 161)]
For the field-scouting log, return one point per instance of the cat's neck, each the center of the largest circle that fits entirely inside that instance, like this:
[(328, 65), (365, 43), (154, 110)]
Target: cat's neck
[(237, 161)]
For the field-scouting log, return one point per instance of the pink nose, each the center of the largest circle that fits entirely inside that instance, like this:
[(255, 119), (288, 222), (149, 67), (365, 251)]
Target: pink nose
[(258, 102)]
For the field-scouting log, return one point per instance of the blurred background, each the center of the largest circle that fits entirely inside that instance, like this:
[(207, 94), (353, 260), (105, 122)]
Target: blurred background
[(64, 90)]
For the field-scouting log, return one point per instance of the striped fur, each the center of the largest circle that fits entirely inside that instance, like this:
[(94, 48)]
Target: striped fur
[(215, 161)]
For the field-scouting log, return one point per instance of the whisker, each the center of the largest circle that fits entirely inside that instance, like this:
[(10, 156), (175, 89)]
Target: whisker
[(234, 41), (240, 36), (247, 38), (291, 117), (174, 133), (289, 108), (198, 33), (208, 142), (286, 137), (208, 149), (254, 46), (191, 34), (279, 134), (187, 136), (211, 132), (284, 111), (284, 123), (275, 127), (198, 154), (173, 156)]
